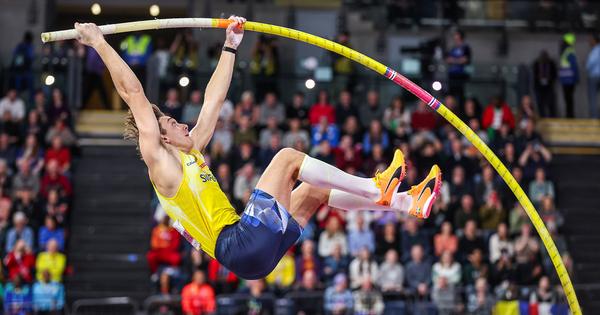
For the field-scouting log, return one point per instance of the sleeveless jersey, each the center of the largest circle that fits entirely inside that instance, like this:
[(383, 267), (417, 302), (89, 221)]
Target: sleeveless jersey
[(199, 209)]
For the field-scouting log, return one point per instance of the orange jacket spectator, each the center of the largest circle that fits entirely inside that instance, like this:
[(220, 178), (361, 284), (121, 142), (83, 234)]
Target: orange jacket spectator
[(198, 297), (445, 240), (164, 246), (497, 107)]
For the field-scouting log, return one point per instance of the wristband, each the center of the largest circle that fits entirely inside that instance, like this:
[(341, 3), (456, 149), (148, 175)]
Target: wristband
[(229, 49)]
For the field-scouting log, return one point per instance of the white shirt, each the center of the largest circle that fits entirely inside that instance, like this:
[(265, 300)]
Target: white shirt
[(16, 108)]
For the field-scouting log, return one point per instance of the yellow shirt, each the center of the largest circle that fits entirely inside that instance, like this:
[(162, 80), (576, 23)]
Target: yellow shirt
[(284, 273), (55, 264), (199, 209)]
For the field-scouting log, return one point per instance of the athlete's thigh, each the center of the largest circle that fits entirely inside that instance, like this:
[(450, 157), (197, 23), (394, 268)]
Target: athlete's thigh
[(280, 176), (305, 201)]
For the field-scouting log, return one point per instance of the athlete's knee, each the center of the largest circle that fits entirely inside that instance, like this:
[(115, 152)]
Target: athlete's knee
[(289, 157)]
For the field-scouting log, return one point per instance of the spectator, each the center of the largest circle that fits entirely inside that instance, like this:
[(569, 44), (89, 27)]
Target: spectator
[(475, 268), (271, 129), (526, 245), (225, 179), (372, 110), (367, 300), (480, 301), (486, 186), (295, 134), (264, 65), (246, 108), (503, 271), (544, 293), (391, 273), (48, 295), (271, 107), (445, 241), (497, 113), (22, 63), (322, 108), (447, 269), (307, 260), (32, 153), (551, 217), (459, 186), (423, 119), (362, 267), (5, 206), (260, 301), (540, 187), (172, 107), (458, 58), (52, 261), (568, 72), (386, 241), (297, 109), (198, 297), (332, 235), (517, 219), (375, 135), (500, 242), (352, 128), (56, 206), (245, 133), (223, 280), (377, 160), (191, 109), (61, 130), (470, 241), (244, 183), (396, 118), (59, 153), (8, 152), (325, 131), (17, 298), (93, 77), (466, 212), (491, 213), (342, 66), (338, 299), (544, 77), (361, 237), (444, 296), (309, 299), (411, 236), (418, 273), (593, 71), (58, 109), (526, 111), (334, 264), (25, 179), (284, 274), (221, 142), (19, 231), (51, 232), (14, 105), (20, 262), (164, 246), (54, 179), (345, 108)]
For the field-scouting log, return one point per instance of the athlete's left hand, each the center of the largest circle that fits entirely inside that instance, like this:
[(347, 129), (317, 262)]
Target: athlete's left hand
[(235, 32)]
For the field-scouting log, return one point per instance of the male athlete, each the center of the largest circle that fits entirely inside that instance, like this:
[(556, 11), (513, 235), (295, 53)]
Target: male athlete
[(252, 244)]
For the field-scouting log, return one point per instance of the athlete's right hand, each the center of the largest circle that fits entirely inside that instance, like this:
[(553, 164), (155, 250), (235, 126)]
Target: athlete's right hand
[(89, 34)]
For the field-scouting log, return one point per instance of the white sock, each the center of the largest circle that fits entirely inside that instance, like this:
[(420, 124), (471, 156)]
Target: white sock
[(346, 201), (323, 175)]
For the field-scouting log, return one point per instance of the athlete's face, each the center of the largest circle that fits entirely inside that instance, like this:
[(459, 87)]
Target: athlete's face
[(175, 133)]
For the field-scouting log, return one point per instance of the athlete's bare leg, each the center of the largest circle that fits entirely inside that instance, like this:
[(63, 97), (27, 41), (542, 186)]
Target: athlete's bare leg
[(306, 199), (281, 175)]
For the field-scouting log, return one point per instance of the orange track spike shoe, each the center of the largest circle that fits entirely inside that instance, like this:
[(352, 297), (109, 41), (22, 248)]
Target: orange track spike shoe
[(425, 193), (389, 180)]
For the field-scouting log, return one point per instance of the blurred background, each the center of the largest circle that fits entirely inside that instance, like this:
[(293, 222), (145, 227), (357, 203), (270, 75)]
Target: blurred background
[(81, 231)]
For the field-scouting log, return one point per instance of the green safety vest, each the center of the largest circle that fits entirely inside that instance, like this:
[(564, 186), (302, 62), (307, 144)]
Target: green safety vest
[(136, 46)]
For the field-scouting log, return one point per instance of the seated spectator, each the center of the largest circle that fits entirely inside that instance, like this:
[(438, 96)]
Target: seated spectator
[(13, 104), (225, 179), (360, 237), (245, 154), (466, 212), (534, 156), (475, 268), (61, 129), (391, 273), (271, 129), (487, 184), (172, 106), (58, 109), (266, 154), (332, 235), (372, 110), (528, 136), (284, 274), (386, 241), (322, 110), (491, 213), (445, 240), (244, 183), (338, 299), (423, 118), (352, 128), (517, 218), (375, 135), (244, 133), (480, 300), (544, 293), (411, 236), (396, 118), (295, 133), (221, 142), (5, 206), (447, 269), (48, 295), (497, 113), (54, 179), (500, 242), (223, 280), (309, 299), (8, 153), (56, 206), (361, 267), (307, 260), (323, 152), (32, 154), (470, 241), (20, 262), (334, 264), (526, 245), (191, 109), (17, 298), (445, 296), (198, 297), (261, 301), (35, 124), (59, 153), (367, 300), (348, 154), (271, 108), (540, 187), (297, 110), (19, 231), (418, 273), (164, 246), (52, 261), (550, 215), (246, 108), (459, 186), (51, 231), (503, 270), (345, 108), (325, 131), (376, 160), (25, 178), (457, 157)]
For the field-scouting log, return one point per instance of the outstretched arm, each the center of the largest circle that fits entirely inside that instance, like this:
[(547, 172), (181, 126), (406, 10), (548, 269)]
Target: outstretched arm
[(129, 88), (216, 90)]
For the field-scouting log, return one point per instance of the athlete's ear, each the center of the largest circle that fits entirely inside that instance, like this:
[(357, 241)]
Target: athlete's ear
[(165, 139)]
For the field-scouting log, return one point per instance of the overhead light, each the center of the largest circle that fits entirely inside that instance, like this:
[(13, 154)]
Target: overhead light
[(49, 80), (184, 81), (310, 84), (154, 10), (436, 85), (96, 9)]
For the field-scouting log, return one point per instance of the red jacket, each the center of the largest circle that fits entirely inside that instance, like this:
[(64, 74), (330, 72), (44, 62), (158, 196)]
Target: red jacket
[(20, 266), (59, 180), (63, 156), (319, 110), (197, 299), (488, 116), (216, 273)]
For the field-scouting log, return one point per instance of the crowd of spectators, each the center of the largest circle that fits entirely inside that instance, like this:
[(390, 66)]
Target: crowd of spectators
[(36, 142), (476, 248)]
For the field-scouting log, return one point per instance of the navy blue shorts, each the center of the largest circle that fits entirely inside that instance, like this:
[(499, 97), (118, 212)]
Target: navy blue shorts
[(252, 247)]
